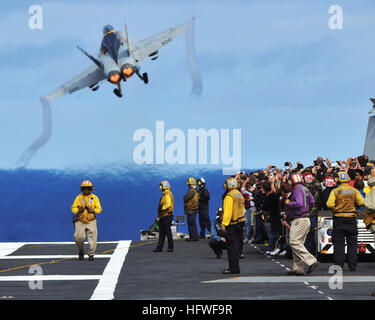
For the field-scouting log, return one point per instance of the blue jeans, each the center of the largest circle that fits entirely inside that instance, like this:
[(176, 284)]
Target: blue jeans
[(248, 217)]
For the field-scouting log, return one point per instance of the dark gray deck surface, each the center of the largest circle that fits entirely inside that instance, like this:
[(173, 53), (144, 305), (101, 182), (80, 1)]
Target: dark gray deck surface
[(191, 272)]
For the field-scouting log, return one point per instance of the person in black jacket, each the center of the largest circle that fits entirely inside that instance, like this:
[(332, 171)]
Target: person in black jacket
[(271, 211), (203, 210), (329, 183), (260, 229), (218, 242)]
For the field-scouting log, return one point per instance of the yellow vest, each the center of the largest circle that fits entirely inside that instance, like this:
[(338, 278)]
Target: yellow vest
[(345, 201), (193, 203), (169, 210), (89, 201), (238, 209), (369, 216)]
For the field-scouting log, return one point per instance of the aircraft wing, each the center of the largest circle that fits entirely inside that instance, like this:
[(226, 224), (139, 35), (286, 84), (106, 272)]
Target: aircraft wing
[(142, 49), (86, 78)]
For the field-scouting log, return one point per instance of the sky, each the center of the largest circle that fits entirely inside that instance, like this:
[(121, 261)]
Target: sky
[(273, 69)]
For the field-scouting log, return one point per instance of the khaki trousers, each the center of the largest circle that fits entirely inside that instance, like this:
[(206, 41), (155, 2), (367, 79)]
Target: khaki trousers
[(299, 229), (83, 229)]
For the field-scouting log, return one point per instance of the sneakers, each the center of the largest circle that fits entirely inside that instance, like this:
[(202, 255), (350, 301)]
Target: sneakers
[(282, 253), (275, 252), (91, 258), (229, 271), (80, 255)]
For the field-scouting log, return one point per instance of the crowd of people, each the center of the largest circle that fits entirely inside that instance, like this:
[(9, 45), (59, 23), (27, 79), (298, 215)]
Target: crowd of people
[(279, 208), (265, 194)]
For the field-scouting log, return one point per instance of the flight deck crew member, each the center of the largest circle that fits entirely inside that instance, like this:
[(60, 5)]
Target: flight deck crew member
[(203, 208), (217, 241), (191, 203), (86, 205), (343, 201), (233, 224), (165, 216), (297, 209)]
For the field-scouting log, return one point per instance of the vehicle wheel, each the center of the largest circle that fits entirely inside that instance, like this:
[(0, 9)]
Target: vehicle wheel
[(145, 78)]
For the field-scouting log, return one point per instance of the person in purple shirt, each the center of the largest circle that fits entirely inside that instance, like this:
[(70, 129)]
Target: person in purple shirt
[(297, 208)]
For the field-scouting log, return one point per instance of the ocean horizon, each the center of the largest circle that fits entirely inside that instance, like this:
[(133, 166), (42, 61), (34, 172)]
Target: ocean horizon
[(36, 204)]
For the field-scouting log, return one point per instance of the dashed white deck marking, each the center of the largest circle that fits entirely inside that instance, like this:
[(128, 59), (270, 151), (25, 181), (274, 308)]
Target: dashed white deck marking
[(68, 256), (107, 284), (294, 279)]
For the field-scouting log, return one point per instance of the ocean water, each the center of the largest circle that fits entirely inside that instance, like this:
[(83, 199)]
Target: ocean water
[(35, 205)]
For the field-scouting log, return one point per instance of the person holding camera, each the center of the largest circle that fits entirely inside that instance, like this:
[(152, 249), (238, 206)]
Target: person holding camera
[(86, 205), (217, 242), (321, 168)]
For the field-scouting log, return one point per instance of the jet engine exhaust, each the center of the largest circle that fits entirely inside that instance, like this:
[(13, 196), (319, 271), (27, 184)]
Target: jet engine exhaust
[(127, 70), (193, 66), (44, 137), (114, 77)]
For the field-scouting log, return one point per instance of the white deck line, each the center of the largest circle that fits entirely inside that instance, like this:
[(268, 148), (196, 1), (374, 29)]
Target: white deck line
[(107, 284), (50, 277), (107, 256), (9, 247)]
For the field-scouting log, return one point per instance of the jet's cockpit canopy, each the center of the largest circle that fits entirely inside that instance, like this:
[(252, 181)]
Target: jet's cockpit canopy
[(108, 28), (111, 42)]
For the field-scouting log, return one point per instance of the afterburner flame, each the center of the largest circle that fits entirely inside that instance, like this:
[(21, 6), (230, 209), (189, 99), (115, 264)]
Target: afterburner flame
[(115, 78), (127, 71)]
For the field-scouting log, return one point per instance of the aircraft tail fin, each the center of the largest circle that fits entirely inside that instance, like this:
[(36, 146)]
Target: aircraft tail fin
[(369, 149), (96, 61)]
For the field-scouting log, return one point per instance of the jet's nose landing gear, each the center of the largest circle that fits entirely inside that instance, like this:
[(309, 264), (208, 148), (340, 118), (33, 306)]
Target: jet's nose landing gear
[(118, 91)]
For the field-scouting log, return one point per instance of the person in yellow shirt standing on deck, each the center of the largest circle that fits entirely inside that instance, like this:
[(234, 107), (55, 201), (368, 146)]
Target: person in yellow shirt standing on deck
[(233, 224), (165, 216), (86, 205), (343, 201)]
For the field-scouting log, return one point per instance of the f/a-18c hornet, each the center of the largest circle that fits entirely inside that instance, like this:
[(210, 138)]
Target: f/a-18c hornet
[(118, 59)]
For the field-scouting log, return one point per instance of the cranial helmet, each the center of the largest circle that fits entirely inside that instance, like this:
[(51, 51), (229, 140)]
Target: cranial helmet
[(191, 182), (230, 183), (308, 178), (107, 28), (86, 184), (165, 185), (343, 176), (329, 182), (201, 181), (296, 178)]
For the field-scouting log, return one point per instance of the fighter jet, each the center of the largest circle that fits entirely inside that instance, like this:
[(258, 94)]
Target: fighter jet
[(118, 60)]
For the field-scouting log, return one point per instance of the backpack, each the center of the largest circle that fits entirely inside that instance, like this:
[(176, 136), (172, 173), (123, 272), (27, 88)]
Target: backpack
[(247, 200), (369, 202)]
